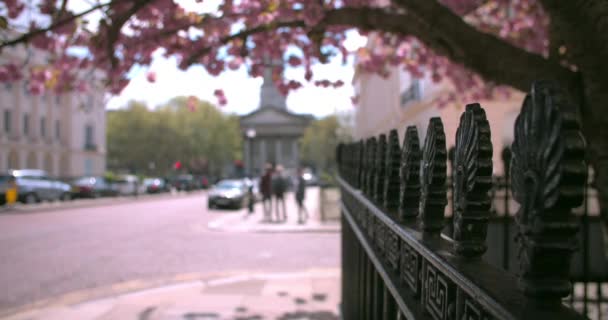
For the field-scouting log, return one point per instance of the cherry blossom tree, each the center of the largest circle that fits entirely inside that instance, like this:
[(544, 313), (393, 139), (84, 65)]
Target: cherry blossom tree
[(482, 46)]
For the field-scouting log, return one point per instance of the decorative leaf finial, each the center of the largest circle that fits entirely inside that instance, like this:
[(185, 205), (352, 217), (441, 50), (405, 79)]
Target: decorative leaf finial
[(360, 160), (380, 164), (548, 174), (433, 198), (472, 174), (371, 168), (409, 174), (391, 182)]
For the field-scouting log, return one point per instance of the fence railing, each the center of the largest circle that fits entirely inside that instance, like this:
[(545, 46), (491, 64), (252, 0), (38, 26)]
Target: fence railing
[(396, 262)]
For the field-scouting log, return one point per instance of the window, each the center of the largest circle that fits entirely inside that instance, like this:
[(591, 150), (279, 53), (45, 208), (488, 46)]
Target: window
[(412, 93), (57, 130), (88, 167), (26, 124), (89, 144), (7, 121), (43, 127)]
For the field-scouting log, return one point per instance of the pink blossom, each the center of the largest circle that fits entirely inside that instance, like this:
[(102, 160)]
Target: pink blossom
[(151, 76)]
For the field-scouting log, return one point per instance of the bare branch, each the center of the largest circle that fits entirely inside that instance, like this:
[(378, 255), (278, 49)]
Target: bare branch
[(28, 36), (242, 35)]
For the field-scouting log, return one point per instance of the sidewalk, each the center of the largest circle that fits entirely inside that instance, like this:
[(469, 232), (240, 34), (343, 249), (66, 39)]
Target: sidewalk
[(312, 294), (244, 222)]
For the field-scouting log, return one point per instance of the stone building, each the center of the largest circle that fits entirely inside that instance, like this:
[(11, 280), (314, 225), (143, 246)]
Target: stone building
[(63, 134), (401, 100), (272, 132)]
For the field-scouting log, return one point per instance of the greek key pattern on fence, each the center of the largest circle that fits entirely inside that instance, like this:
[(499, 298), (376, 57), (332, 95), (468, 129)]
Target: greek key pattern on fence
[(394, 198)]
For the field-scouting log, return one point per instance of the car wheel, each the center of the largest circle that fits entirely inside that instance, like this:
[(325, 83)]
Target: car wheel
[(31, 198)]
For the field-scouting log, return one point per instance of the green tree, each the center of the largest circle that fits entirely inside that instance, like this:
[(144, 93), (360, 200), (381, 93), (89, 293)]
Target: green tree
[(193, 132), (319, 142)]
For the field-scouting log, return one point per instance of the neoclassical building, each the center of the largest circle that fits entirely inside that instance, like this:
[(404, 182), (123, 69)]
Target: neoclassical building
[(63, 134), (272, 132)]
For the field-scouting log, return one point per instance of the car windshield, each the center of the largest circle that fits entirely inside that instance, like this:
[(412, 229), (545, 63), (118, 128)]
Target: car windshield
[(229, 185), (85, 180)]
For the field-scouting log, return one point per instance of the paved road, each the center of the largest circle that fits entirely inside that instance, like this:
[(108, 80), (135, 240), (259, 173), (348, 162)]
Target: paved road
[(46, 254)]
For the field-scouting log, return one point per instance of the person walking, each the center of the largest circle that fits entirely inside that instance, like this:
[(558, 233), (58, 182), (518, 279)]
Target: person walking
[(266, 190), (279, 186), (300, 195)]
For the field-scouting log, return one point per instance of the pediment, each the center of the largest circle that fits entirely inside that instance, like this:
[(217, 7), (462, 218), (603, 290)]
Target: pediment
[(273, 116)]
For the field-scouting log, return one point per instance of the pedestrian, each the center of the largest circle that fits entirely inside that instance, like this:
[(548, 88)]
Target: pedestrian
[(300, 195), (250, 198), (266, 190), (279, 186)]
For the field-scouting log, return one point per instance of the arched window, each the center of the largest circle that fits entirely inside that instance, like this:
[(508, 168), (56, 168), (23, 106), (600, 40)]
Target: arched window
[(13, 160), (48, 164), (32, 161)]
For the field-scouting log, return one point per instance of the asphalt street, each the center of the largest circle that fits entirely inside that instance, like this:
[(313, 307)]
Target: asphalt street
[(50, 253)]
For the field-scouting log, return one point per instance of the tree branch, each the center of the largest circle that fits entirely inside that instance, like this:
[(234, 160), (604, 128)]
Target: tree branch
[(28, 36), (116, 26), (242, 35), (494, 59)]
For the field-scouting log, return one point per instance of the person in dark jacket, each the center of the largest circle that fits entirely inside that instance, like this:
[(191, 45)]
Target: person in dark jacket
[(279, 187), (300, 195), (266, 190)]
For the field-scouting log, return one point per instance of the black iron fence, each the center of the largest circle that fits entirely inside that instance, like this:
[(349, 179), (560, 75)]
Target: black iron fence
[(505, 246)]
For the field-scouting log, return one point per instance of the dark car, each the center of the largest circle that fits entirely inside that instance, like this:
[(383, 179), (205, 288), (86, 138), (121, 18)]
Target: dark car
[(228, 193), (184, 182), (93, 187), (155, 185)]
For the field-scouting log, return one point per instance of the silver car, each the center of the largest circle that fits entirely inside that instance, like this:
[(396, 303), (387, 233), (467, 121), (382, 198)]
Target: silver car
[(35, 186)]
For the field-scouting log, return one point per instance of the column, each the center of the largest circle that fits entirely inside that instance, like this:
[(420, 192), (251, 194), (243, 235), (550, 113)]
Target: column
[(294, 152), (277, 151), (262, 153)]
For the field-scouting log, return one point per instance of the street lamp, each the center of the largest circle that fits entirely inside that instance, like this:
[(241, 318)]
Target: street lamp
[(250, 134)]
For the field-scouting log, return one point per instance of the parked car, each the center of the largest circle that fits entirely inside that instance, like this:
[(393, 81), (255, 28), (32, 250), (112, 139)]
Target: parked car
[(184, 182), (155, 185), (228, 193), (35, 186), (128, 185), (93, 187), (310, 179)]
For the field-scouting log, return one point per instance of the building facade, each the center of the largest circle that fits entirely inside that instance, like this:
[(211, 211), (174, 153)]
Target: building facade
[(63, 134), (401, 100), (272, 132)]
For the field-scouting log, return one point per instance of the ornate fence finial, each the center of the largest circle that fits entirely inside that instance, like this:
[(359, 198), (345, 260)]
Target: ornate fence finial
[(360, 160), (371, 168), (380, 164), (364, 166), (472, 174), (548, 174), (409, 174), (433, 197), (391, 182)]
